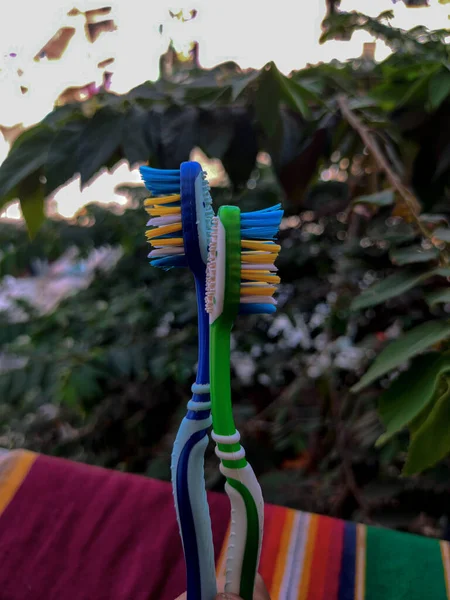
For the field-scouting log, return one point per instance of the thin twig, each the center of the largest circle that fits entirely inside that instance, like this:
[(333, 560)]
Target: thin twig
[(369, 140)]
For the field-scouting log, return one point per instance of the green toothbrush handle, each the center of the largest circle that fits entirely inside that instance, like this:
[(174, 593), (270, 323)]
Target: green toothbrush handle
[(242, 487), (247, 521)]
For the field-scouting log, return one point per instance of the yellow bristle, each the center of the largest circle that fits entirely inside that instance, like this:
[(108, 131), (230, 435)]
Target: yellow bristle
[(163, 210), (263, 290), (154, 233), (260, 276), (162, 200), (258, 258), (168, 242), (262, 246)]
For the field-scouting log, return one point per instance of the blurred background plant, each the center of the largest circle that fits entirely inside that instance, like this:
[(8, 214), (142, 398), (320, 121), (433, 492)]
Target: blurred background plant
[(343, 398)]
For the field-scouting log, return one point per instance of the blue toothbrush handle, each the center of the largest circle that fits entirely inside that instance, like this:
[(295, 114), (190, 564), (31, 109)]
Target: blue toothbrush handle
[(188, 482)]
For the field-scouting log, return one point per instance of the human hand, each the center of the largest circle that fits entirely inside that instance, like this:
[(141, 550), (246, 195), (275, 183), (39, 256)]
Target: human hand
[(261, 592)]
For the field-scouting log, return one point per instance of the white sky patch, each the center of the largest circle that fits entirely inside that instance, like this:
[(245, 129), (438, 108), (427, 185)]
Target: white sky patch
[(249, 32)]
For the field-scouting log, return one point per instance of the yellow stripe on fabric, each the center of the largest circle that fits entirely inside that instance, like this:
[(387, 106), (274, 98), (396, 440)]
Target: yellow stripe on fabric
[(14, 467), (307, 561), (360, 570), (445, 551), (281, 559), (221, 562)]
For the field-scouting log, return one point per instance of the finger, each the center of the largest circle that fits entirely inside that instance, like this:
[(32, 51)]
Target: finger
[(261, 592), (182, 597)]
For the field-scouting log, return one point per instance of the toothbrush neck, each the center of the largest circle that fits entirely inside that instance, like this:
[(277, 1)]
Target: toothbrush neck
[(203, 333)]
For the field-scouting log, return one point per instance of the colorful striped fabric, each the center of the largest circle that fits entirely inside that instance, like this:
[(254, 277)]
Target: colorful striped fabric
[(73, 532), (312, 557)]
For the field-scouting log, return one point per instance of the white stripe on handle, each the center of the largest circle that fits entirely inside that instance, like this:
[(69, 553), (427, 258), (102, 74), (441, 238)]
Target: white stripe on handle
[(238, 529)]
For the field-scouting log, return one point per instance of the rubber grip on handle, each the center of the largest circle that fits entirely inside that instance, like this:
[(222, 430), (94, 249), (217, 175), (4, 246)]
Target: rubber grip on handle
[(192, 507), (246, 531)]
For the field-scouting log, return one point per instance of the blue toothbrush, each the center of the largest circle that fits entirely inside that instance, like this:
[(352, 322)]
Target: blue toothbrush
[(181, 214)]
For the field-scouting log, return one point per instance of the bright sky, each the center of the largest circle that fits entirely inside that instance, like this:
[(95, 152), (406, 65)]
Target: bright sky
[(251, 32)]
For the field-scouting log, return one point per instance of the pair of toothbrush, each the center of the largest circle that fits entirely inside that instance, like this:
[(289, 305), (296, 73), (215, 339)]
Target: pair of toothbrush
[(182, 228)]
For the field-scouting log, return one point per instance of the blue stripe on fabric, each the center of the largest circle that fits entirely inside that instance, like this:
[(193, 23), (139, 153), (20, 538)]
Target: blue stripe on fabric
[(348, 564)]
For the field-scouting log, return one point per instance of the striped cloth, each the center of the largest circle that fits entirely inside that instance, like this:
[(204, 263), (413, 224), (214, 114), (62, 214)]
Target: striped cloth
[(73, 532)]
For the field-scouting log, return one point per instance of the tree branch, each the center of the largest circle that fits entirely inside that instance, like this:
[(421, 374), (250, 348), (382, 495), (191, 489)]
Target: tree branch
[(369, 140)]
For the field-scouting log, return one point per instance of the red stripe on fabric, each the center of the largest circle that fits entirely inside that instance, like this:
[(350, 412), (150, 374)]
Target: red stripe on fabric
[(335, 549), (74, 531), (319, 565), (274, 519)]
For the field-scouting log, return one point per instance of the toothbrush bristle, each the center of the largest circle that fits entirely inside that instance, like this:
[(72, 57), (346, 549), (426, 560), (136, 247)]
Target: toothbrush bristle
[(258, 254), (211, 267), (164, 207), (208, 211)]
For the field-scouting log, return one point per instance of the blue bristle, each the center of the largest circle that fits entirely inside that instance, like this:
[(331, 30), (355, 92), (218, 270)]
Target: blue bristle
[(164, 182), (168, 262), (257, 309), (161, 181), (261, 224), (258, 233)]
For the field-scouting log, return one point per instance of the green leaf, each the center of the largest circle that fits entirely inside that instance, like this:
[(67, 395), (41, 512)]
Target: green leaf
[(417, 92), (135, 141), (293, 93), (99, 141), (441, 296), (296, 96), (215, 132), (28, 154), (240, 158), (431, 443), (62, 162), (207, 96), (179, 134), (384, 198), (412, 254), (411, 393), (392, 286), (32, 205), (407, 346), (439, 88), (239, 84), (267, 102), (442, 233), (272, 87), (62, 115)]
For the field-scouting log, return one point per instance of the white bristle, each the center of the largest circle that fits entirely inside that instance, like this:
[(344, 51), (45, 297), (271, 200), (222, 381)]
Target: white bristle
[(258, 300), (165, 251), (211, 267), (167, 220), (258, 267)]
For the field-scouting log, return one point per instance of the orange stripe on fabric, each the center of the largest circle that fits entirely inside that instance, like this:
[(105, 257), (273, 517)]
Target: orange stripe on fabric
[(445, 551), (303, 592), (14, 467), (360, 575), (221, 562), (280, 563), (335, 550), (319, 565), (274, 519)]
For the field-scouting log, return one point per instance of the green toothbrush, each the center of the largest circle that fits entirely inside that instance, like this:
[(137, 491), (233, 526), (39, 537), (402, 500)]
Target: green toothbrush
[(240, 279)]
